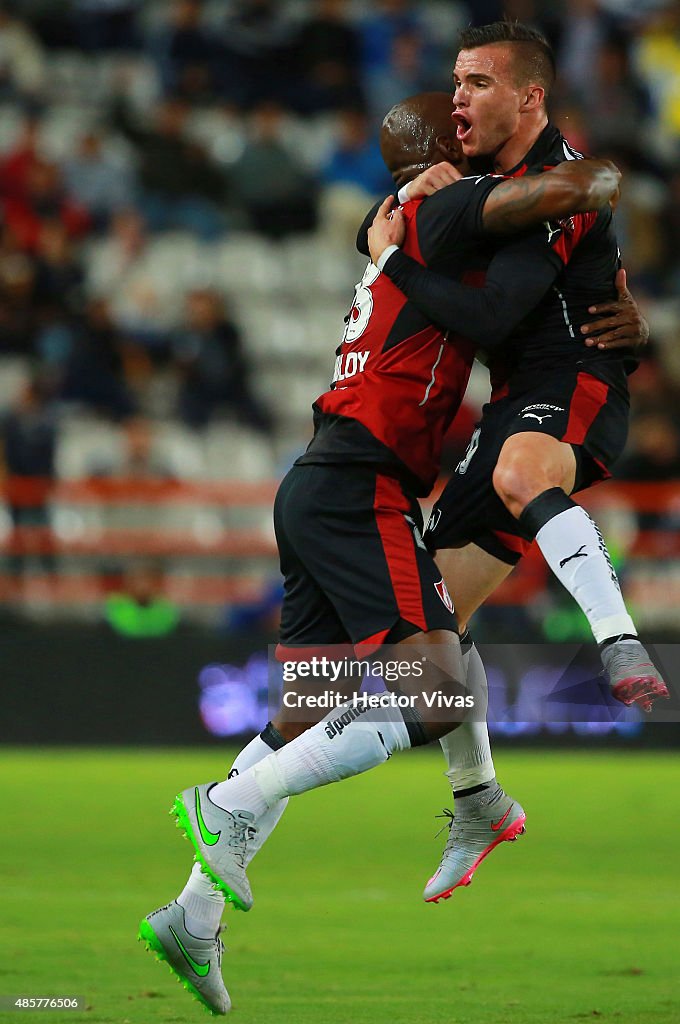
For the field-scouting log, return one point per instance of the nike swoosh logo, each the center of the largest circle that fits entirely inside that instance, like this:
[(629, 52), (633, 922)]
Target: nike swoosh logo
[(208, 837), (495, 825), (200, 969)]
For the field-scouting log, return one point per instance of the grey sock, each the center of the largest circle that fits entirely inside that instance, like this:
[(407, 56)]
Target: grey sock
[(467, 806)]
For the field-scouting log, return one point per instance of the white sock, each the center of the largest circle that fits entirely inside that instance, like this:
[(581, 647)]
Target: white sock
[(467, 749), (347, 742), (203, 904), (256, 751), (250, 755), (573, 547)]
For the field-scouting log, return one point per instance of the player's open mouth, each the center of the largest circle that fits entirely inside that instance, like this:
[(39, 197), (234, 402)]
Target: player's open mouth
[(463, 127)]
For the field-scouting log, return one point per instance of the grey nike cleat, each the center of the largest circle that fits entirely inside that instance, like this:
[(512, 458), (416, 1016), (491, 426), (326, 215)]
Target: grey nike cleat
[(470, 840), (633, 678), (220, 839), (197, 963)]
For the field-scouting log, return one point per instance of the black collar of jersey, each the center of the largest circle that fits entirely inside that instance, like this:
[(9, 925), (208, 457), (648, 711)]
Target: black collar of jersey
[(541, 154)]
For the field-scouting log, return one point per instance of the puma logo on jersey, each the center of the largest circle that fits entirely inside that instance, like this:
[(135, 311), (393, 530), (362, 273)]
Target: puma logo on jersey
[(552, 231), (540, 411), (539, 418), (349, 364)]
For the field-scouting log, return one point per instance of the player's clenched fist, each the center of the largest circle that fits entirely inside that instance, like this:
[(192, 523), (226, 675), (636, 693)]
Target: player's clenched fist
[(431, 180), (388, 228)]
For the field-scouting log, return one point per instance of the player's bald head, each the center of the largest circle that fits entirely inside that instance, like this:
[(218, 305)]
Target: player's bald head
[(417, 133)]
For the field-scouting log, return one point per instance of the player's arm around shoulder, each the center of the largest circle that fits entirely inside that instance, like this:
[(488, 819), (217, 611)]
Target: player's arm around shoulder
[(430, 181), (575, 186), (362, 234), (387, 232)]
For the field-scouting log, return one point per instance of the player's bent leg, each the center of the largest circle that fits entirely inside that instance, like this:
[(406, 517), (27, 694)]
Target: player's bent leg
[(202, 901), (467, 749), (471, 575), (529, 464), (196, 962), (479, 801), (220, 839), (534, 476), (437, 697), (221, 819), (203, 904)]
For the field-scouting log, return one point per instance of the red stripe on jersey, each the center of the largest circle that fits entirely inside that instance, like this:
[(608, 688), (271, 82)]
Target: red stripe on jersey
[(411, 243), (500, 392), (605, 474), (371, 644), (398, 543), (589, 397), (512, 542), (306, 652), (573, 230)]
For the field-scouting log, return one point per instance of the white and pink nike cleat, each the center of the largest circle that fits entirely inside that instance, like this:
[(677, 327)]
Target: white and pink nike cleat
[(471, 839), (633, 678)]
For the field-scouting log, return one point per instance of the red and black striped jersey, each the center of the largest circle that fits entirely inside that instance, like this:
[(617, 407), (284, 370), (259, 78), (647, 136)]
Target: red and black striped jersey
[(398, 379), (550, 338), (566, 265)]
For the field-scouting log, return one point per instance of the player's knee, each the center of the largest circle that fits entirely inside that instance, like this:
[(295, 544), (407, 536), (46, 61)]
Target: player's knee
[(518, 479), (511, 481)]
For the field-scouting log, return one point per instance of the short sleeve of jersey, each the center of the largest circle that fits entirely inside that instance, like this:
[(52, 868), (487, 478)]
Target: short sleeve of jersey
[(453, 213)]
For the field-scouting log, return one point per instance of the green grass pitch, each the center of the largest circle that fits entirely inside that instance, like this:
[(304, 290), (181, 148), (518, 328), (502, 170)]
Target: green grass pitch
[(577, 921)]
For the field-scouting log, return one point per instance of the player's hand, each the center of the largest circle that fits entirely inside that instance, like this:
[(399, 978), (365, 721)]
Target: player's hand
[(622, 325), (388, 228), (431, 180)]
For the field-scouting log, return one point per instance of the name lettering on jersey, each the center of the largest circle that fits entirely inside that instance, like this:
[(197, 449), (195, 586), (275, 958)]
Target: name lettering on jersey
[(349, 364), (540, 411)]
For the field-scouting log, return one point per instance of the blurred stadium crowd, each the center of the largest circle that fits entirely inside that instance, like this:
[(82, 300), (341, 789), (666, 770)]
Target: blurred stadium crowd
[(180, 187)]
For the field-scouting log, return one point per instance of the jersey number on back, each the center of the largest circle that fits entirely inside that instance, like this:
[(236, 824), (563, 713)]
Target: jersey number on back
[(362, 307)]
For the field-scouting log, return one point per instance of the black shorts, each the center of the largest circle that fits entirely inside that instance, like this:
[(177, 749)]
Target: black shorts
[(573, 407), (355, 567)]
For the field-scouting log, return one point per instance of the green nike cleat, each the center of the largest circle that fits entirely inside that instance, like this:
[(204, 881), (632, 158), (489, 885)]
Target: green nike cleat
[(221, 840), (197, 963)]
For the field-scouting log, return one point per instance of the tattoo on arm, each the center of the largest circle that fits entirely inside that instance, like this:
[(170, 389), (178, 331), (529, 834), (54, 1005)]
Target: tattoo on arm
[(517, 203)]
